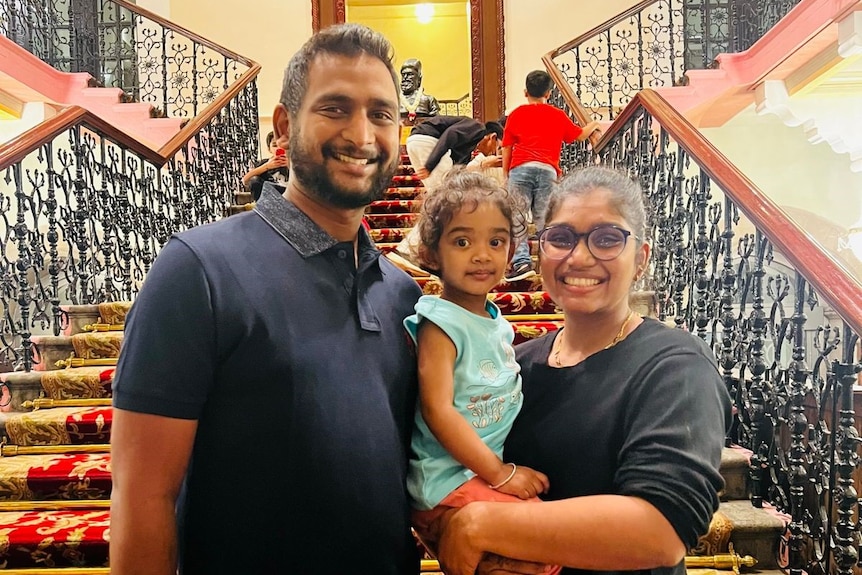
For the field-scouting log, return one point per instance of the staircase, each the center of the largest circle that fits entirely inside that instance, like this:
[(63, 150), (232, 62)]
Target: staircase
[(32, 80), (55, 481), (55, 461)]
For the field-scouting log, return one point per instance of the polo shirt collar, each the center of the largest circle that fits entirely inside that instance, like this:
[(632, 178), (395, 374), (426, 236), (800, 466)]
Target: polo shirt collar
[(297, 228)]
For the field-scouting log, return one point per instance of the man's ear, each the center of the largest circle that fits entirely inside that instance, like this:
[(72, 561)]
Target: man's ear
[(281, 126)]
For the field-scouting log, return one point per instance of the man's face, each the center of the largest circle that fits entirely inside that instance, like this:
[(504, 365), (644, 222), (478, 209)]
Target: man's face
[(409, 80), (344, 139)]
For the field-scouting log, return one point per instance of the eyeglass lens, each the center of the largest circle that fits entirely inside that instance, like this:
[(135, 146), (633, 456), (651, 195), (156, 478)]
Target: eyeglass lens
[(604, 243)]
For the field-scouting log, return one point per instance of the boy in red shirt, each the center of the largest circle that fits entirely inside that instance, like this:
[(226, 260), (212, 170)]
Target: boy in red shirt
[(532, 141)]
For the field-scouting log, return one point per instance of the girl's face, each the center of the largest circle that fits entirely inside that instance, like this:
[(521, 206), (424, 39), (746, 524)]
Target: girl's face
[(472, 255), (580, 283)]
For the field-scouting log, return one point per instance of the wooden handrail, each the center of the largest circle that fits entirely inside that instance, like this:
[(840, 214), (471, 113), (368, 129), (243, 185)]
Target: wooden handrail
[(822, 271), (15, 150), (604, 27), (177, 28), (572, 101)]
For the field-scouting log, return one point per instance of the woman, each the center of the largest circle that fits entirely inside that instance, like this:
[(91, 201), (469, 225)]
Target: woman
[(626, 416)]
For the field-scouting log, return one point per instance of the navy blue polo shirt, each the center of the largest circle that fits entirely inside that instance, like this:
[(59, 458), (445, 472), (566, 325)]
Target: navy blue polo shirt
[(294, 361)]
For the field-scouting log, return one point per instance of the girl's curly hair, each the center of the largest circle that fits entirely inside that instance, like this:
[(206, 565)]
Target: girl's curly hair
[(463, 189)]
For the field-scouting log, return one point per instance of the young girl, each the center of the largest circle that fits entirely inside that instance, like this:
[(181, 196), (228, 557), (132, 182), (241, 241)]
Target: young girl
[(469, 382)]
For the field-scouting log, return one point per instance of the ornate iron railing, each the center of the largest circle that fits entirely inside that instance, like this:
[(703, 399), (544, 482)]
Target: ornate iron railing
[(782, 316), (125, 46), (85, 209), (654, 43), (463, 106)]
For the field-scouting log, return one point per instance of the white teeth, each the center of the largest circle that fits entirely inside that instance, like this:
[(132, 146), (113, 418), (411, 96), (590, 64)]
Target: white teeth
[(351, 160), (580, 282)]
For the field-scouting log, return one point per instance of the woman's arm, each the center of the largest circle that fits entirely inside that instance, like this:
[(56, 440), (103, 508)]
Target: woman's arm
[(436, 361), (600, 532), (664, 489)]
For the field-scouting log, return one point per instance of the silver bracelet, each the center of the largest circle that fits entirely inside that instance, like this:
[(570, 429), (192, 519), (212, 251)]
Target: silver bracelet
[(507, 480)]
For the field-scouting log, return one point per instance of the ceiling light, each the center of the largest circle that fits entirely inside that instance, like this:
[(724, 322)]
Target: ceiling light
[(424, 13)]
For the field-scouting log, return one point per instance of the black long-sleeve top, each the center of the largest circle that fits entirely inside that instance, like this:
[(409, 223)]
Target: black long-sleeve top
[(457, 134)]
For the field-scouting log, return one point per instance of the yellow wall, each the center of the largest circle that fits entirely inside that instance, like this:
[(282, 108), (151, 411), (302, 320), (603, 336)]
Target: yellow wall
[(267, 31), (443, 45), (535, 27)]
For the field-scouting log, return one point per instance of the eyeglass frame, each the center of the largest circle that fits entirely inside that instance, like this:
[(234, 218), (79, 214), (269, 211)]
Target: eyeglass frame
[(586, 236)]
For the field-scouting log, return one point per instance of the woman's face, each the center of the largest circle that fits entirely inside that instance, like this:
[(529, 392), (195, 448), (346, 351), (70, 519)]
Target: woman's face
[(580, 283)]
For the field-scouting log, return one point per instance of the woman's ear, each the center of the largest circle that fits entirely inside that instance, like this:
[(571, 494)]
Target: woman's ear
[(642, 260)]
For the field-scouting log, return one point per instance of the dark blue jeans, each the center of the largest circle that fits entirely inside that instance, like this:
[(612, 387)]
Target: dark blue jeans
[(534, 183)]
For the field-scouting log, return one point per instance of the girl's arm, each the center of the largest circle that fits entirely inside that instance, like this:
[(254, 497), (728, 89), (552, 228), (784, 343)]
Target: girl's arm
[(436, 360)]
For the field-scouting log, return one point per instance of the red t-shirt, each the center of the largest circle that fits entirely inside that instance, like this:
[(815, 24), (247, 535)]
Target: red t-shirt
[(536, 133)]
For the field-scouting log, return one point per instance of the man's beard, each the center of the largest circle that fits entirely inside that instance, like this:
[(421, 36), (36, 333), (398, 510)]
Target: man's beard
[(315, 178)]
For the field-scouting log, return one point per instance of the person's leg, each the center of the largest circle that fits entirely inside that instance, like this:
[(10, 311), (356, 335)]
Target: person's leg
[(439, 172), (545, 180), (522, 181), (419, 147)]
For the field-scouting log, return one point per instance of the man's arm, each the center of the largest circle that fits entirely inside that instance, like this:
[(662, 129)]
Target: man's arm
[(507, 160), (149, 457), (587, 131), (273, 163)]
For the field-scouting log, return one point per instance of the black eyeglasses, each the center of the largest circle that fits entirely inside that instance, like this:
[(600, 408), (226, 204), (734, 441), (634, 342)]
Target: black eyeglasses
[(604, 242)]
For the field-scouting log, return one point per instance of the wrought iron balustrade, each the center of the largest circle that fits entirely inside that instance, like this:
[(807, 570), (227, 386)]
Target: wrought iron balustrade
[(654, 43), (84, 209), (124, 46), (782, 316)]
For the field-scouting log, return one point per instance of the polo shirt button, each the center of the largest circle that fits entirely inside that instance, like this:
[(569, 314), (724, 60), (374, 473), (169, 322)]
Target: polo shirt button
[(342, 254)]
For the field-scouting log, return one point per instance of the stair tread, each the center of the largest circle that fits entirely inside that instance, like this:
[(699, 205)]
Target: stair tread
[(60, 426), (55, 477), (77, 538)]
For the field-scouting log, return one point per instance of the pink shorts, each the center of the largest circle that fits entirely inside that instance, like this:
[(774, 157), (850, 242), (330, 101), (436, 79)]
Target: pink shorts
[(426, 523)]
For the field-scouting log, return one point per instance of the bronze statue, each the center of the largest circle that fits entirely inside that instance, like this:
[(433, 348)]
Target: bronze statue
[(415, 103)]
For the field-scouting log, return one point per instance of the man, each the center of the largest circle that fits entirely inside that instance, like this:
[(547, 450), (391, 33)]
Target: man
[(415, 103), (265, 368), (438, 143)]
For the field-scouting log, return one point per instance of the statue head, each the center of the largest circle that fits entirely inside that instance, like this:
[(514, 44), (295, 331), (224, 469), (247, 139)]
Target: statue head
[(411, 76)]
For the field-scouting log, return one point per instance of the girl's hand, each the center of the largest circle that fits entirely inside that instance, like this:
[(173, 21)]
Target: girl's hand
[(526, 483)]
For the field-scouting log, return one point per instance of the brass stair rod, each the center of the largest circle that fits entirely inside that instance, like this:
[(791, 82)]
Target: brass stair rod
[(94, 327), (13, 450), (60, 571), (95, 504), (73, 361), (728, 560), (47, 403)]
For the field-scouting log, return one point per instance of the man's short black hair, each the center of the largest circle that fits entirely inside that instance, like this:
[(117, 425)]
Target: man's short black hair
[(538, 83), (351, 40), (494, 128)]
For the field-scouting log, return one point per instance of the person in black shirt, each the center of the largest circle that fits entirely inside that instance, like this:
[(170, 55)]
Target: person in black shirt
[(264, 396), (439, 142)]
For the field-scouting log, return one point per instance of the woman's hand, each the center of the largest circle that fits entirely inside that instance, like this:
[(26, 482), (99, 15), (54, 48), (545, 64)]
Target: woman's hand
[(526, 483), (459, 553)]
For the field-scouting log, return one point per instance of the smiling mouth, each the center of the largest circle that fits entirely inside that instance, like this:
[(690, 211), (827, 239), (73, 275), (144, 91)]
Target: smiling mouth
[(581, 282), (351, 159)]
